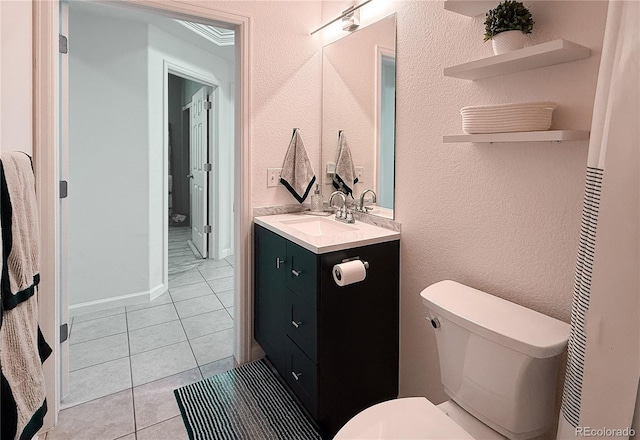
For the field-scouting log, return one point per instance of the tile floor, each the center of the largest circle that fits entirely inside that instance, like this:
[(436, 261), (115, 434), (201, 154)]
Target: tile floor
[(126, 362)]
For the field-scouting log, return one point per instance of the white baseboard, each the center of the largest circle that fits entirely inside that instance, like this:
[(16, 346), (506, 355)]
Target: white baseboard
[(157, 291), (129, 299), (224, 253)]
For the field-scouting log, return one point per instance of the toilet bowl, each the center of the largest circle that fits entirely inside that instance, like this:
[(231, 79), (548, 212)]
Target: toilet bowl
[(498, 362), (415, 418)]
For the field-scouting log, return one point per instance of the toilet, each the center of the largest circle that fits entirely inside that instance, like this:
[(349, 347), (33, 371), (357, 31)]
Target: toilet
[(498, 364)]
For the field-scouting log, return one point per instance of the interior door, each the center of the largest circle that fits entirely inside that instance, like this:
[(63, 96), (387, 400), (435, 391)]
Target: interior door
[(198, 158)]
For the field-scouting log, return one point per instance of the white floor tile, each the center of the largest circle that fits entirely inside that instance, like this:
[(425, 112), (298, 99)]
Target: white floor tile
[(222, 284), (182, 279), (97, 351), (216, 273), (226, 297), (161, 362), (98, 381), (190, 291), (165, 298), (217, 367), (211, 322), (152, 316), (183, 335), (107, 418), (100, 314), (155, 401), (209, 264), (213, 347), (98, 328), (156, 336), (172, 429), (198, 306)]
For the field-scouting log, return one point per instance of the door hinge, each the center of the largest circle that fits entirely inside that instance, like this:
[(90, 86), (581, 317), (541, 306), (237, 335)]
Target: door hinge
[(207, 167), (207, 229), (64, 189), (207, 105), (63, 44), (64, 332)]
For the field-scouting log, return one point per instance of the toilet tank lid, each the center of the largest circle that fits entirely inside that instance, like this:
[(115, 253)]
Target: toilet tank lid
[(496, 319)]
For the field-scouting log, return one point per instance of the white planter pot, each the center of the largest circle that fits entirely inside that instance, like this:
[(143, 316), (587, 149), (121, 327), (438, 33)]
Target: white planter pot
[(507, 41)]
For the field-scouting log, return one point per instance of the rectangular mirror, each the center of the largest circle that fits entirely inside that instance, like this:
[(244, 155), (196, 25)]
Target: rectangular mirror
[(359, 97)]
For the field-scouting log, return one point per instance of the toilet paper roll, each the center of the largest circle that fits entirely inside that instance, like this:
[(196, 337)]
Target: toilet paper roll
[(349, 272)]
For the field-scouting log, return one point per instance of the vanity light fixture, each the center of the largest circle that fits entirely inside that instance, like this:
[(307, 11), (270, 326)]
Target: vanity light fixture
[(350, 20)]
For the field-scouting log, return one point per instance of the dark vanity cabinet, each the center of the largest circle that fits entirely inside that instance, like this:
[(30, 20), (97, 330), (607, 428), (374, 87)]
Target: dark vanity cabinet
[(335, 347)]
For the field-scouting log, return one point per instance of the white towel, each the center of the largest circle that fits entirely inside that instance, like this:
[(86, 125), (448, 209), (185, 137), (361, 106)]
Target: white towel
[(22, 347), (22, 352), (344, 177), (19, 212), (297, 172)]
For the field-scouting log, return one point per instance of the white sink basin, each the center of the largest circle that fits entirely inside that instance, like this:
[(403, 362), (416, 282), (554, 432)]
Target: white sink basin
[(325, 234), (318, 227)]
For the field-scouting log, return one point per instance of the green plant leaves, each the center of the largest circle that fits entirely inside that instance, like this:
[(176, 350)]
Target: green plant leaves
[(509, 15)]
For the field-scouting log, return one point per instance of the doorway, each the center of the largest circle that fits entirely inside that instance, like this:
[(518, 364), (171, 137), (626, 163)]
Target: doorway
[(119, 342), (50, 120), (189, 134)]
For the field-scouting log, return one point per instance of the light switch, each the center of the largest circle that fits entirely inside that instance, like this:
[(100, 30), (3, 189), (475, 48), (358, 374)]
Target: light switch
[(273, 176)]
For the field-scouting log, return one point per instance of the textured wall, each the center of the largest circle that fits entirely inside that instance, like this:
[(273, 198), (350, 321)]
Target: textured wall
[(285, 87), (15, 76)]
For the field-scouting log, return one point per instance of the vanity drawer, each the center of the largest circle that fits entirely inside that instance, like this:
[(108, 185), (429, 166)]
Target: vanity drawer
[(303, 325), (302, 271), (302, 377)]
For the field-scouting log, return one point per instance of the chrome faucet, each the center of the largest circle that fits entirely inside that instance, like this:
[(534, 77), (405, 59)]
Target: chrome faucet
[(342, 213), (361, 206)]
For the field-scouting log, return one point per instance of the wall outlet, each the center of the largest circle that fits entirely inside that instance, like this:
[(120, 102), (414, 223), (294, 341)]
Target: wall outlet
[(273, 176), (360, 173)]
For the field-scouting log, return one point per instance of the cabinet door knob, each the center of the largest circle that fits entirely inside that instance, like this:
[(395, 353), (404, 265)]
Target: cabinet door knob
[(296, 272), (279, 262), (296, 376), (296, 324)]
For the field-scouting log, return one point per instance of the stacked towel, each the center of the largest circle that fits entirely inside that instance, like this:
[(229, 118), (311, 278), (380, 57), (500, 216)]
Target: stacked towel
[(22, 347), (297, 173), (344, 178)]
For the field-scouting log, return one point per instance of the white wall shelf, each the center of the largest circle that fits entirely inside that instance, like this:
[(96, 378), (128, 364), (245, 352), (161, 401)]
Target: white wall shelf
[(470, 8), (521, 136), (532, 57)]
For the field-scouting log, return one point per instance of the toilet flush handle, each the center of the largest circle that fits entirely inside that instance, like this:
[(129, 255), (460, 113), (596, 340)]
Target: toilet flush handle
[(435, 323)]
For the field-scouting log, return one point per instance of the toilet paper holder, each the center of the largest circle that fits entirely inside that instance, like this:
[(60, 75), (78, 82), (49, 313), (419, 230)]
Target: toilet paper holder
[(349, 271), (365, 263)]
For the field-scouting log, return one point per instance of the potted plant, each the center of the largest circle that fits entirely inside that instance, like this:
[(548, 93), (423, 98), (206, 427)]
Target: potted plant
[(506, 26)]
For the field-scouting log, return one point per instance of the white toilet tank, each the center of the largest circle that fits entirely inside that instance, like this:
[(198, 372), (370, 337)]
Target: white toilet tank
[(498, 360)]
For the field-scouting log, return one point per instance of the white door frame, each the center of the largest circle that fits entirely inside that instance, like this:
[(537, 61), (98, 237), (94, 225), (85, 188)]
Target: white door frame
[(205, 78), (46, 117)]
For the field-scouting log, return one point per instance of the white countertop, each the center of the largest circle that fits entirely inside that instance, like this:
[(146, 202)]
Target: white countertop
[(358, 233)]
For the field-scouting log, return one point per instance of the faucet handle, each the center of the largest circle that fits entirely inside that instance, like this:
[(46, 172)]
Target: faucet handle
[(349, 217)]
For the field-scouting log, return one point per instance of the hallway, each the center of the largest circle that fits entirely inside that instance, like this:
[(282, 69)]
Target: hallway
[(125, 362)]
